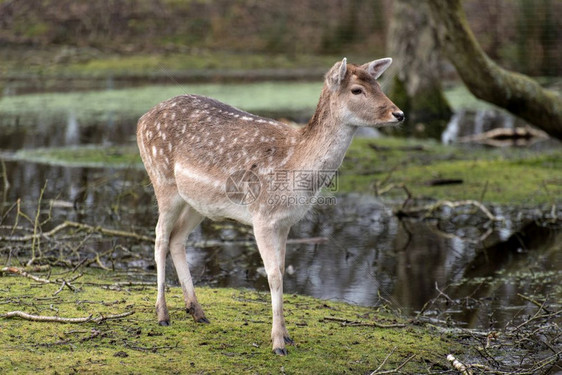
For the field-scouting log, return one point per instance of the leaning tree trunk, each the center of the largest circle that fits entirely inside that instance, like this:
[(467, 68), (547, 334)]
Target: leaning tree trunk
[(515, 92), (415, 86)]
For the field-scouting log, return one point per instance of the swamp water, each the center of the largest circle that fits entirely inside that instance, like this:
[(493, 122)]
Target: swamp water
[(356, 251)]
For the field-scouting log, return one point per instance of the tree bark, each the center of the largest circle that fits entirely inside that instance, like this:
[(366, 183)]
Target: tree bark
[(415, 87), (515, 92)]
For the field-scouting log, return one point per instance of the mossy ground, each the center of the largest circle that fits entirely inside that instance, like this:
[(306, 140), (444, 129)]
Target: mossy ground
[(500, 176), (236, 341)]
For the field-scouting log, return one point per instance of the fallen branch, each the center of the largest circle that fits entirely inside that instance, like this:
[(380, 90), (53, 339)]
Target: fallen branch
[(430, 208), (458, 365), (501, 134), (21, 272), (122, 233), (152, 349), (79, 226), (536, 303), (58, 319), (352, 323)]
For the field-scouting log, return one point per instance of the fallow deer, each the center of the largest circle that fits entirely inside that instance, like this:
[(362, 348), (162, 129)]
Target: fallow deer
[(208, 159)]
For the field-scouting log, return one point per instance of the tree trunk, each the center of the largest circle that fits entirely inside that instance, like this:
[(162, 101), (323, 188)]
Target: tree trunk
[(415, 86), (515, 92)]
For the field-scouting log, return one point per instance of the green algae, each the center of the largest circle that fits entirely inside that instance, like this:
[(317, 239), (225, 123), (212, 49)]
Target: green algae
[(129, 104), (236, 341)]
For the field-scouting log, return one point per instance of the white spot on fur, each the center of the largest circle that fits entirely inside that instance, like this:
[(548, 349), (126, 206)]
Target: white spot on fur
[(198, 177)]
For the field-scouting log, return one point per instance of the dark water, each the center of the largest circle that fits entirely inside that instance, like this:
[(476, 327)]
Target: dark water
[(366, 254)]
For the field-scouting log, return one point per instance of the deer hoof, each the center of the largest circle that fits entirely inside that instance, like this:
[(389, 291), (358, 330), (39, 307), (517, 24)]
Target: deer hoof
[(164, 323), (288, 340), (203, 320), (280, 351)]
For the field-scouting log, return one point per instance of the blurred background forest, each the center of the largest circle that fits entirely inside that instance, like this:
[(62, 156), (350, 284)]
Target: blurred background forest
[(521, 35)]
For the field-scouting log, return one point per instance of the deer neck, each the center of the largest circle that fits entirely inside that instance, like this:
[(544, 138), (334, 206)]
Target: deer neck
[(325, 139)]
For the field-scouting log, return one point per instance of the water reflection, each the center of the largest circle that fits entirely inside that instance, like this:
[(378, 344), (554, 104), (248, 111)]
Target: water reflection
[(65, 129), (369, 254)]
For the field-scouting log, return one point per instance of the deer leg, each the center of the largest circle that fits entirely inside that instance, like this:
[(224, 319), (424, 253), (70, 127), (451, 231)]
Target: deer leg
[(169, 209), (281, 261), (269, 243), (188, 220)]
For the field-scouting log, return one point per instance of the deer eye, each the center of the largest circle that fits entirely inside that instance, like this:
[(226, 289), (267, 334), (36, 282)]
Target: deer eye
[(356, 91)]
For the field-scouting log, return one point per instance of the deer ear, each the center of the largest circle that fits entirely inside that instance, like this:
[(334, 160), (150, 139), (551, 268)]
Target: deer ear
[(376, 68), (336, 75)]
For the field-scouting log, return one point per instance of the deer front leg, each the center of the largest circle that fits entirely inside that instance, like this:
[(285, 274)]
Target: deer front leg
[(269, 240), (160, 252)]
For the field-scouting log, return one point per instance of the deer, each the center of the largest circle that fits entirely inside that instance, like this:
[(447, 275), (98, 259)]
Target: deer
[(207, 159)]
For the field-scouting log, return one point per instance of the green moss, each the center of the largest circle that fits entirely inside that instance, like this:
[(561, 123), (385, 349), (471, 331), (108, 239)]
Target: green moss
[(515, 177), (236, 341)]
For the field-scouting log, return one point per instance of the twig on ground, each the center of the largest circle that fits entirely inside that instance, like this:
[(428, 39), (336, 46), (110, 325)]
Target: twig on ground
[(79, 226), (21, 272), (393, 371), (352, 323), (377, 371), (153, 349), (58, 319), (536, 303)]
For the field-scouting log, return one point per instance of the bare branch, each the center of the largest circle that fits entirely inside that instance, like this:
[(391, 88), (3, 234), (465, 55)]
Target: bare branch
[(58, 319)]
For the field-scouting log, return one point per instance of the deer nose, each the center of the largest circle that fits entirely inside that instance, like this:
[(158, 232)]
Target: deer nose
[(399, 115)]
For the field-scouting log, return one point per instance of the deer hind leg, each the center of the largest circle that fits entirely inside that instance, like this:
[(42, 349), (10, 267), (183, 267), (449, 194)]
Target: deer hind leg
[(270, 240), (187, 221), (170, 205)]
